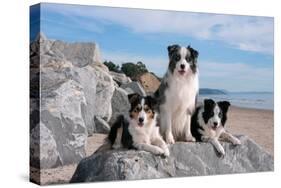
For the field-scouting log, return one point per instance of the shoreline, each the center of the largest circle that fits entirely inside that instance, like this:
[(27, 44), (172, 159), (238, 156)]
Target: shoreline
[(251, 108)]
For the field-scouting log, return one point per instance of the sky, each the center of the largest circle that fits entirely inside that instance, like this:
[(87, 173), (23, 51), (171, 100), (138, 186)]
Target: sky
[(236, 53)]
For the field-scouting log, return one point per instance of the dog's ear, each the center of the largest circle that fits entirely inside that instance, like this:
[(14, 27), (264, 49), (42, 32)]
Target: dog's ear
[(194, 53), (133, 97), (208, 104), (152, 101), (172, 48), (224, 105)]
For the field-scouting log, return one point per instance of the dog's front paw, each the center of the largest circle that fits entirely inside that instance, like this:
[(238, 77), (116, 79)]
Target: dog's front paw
[(166, 152), (221, 152), (190, 138), (159, 151), (170, 139), (236, 141)]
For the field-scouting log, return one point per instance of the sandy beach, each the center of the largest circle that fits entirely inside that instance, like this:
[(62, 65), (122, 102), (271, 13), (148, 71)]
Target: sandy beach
[(256, 124)]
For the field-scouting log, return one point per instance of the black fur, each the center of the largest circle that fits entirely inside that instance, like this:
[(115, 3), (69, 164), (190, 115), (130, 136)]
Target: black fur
[(195, 126), (224, 105), (126, 138), (193, 59), (208, 106), (174, 56)]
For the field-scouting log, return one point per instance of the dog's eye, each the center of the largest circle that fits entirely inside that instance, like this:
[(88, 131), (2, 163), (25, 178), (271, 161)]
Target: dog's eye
[(188, 59), (137, 109), (220, 114), (147, 110), (211, 113), (177, 57)]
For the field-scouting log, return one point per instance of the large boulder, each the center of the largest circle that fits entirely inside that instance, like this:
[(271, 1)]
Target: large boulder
[(186, 159), (104, 92), (149, 82), (120, 78), (101, 126), (133, 87), (80, 54), (61, 113), (120, 103), (86, 77), (43, 148)]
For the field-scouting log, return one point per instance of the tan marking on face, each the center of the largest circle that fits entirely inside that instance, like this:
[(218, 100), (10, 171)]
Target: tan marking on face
[(135, 112), (149, 113)]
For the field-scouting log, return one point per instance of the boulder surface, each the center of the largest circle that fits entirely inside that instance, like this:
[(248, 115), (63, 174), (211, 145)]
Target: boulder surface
[(186, 159)]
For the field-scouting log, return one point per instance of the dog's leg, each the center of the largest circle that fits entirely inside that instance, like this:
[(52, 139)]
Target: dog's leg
[(150, 148), (104, 147), (230, 138), (188, 135), (215, 142), (166, 126), (158, 141), (117, 144)]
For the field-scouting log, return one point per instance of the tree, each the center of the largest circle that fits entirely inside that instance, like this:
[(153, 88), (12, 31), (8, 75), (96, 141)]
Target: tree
[(133, 70), (112, 67)]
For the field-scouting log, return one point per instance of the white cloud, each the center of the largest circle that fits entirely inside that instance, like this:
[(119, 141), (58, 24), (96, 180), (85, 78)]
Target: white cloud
[(243, 32)]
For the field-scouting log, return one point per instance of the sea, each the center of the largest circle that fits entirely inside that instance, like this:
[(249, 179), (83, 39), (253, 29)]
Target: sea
[(256, 100)]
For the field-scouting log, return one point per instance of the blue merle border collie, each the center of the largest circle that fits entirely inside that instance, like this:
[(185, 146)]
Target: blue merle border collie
[(208, 124), (139, 131), (177, 94)]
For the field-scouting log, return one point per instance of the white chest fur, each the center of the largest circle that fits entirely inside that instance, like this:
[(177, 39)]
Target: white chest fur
[(142, 134), (181, 92)]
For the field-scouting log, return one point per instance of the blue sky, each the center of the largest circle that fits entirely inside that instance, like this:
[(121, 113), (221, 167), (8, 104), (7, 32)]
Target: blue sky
[(235, 52)]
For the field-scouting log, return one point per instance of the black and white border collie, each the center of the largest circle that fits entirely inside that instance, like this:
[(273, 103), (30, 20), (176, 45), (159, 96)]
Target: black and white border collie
[(177, 94), (208, 124), (139, 131)]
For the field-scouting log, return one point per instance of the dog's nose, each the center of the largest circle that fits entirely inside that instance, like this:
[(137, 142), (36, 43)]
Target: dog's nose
[(182, 66), (141, 119), (215, 124)]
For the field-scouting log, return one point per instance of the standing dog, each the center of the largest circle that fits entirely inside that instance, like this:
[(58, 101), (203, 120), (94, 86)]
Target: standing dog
[(208, 124), (177, 94), (140, 130)]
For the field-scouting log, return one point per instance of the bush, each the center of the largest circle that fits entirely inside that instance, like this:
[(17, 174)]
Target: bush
[(133, 70), (130, 69), (112, 67)]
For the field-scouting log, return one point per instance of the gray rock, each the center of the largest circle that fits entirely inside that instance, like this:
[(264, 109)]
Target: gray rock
[(120, 103), (54, 71), (120, 78), (61, 113), (79, 54), (101, 126), (135, 86), (43, 148), (74, 86), (87, 78), (186, 159), (104, 92)]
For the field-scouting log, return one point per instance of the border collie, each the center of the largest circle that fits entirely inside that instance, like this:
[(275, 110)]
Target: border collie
[(208, 124), (139, 131), (176, 96)]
